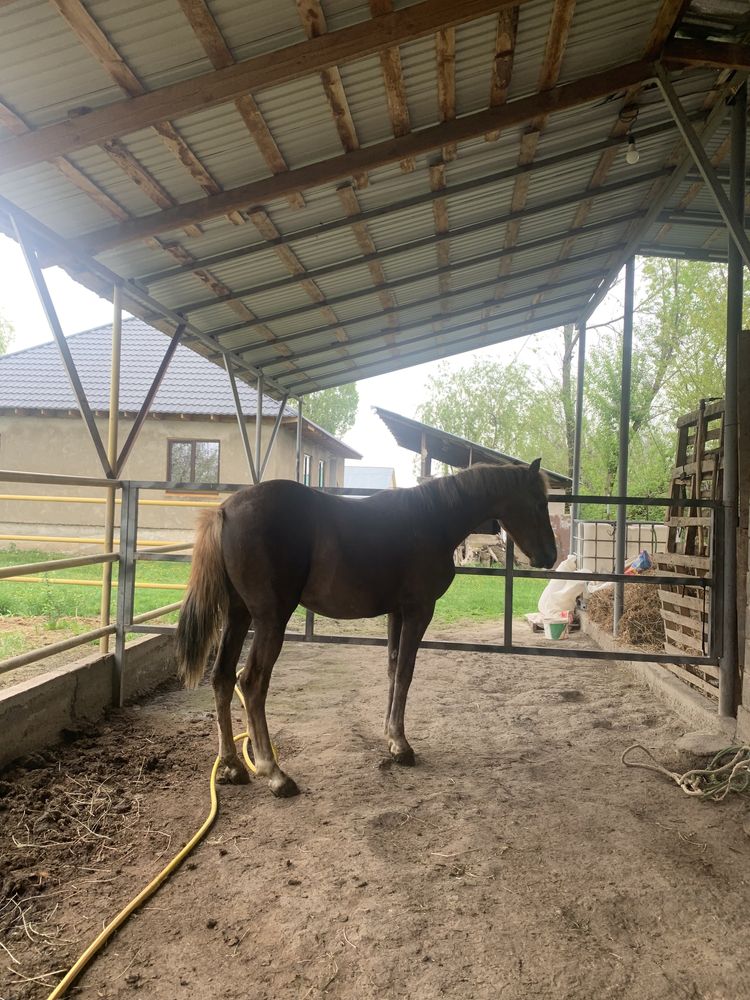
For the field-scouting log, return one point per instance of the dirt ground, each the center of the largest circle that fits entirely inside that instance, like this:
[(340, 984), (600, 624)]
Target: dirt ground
[(519, 859)]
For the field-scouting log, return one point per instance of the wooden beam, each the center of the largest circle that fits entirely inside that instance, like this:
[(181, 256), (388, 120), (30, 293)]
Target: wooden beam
[(395, 87), (518, 112), (667, 19), (502, 64), (95, 41), (314, 23), (720, 55), (208, 33), (445, 55), (270, 69)]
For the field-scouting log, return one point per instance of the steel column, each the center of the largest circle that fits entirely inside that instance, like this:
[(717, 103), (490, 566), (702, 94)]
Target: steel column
[(259, 424), (161, 371), (622, 463), (114, 413), (298, 446), (274, 434), (575, 510), (67, 358), (125, 585), (241, 421), (729, 657)]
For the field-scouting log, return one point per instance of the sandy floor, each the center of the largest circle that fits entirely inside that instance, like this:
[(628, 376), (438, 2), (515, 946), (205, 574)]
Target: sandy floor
[(519, 859)]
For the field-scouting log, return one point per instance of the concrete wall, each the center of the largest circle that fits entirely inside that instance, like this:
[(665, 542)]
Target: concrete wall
[(61, 445), (34, 713)]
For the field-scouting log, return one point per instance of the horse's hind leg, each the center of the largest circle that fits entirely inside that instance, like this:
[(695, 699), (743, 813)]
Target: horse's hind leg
[(224, 677), (412, 630), (254, 681), (394, 637)]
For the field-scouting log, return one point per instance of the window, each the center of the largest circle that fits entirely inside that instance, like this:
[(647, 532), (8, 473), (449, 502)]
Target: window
[(321, 473), (332, 472), (306, 469), (193, 461)]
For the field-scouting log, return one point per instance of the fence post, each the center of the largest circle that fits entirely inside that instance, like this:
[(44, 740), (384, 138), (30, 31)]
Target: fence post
[(125, 584), (508, 610)]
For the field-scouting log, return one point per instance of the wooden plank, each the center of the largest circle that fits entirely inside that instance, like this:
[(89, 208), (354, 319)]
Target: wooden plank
[(687, 522), (684, 601), (336, 168), (677, 618), (682, 638), (687, 676), (502, 64), (270, 69), (678, 559)]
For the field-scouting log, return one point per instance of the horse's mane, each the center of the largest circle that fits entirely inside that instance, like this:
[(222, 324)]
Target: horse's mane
[(450, 492)]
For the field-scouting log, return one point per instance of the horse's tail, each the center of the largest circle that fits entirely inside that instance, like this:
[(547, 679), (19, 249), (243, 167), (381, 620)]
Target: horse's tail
[(206, 604)]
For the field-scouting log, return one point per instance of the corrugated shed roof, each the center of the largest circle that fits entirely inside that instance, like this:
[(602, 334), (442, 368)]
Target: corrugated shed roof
[(450, 448), (424, 255)]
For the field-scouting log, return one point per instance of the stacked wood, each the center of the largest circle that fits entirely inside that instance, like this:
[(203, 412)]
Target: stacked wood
[(481, 550), (697, 474)]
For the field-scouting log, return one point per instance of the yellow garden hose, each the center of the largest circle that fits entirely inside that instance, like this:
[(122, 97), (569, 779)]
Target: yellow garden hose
[(98, 943)]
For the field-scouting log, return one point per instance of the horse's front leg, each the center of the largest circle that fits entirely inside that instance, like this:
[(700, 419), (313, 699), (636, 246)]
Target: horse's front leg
[(413, 628), (394, 638)]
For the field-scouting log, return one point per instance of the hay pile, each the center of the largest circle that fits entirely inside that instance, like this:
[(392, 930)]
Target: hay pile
[(641, 623)]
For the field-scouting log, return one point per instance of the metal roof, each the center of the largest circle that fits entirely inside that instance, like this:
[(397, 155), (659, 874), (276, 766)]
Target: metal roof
[(332, 189), (450, 449)]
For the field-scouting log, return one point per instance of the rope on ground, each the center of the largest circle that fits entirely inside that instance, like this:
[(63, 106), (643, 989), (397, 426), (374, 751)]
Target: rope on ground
[(728, 771), (98, 943)]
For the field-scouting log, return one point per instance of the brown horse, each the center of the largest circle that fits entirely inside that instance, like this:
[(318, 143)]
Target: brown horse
[(273, 546)]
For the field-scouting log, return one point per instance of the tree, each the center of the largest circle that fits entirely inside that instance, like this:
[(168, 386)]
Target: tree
[(335, 410), (6, 335), (500, 406)]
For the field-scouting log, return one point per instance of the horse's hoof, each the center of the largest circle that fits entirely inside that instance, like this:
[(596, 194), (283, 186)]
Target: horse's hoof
[(284, 787), (404, 757), (233, 774)]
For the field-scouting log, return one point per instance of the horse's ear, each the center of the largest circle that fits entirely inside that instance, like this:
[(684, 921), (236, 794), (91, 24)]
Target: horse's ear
[(534, 467)]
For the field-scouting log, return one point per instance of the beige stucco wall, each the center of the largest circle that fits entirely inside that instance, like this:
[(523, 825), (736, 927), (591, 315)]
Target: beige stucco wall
[(61, 445)]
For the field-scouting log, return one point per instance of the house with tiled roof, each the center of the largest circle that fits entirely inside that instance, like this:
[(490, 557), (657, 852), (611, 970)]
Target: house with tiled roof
[(190, 435)]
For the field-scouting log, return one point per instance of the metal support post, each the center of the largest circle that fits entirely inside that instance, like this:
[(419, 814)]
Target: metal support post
[(510, 557), (109, 510), (126, 584), (241, 421), (622, 463), (298, 451), (274, 435), (728, 680), (309, 626), (576, 510), (734, 222), (62, 345), (259, 424)]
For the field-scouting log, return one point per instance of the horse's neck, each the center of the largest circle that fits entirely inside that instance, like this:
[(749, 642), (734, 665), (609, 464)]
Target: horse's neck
[(477, 498)]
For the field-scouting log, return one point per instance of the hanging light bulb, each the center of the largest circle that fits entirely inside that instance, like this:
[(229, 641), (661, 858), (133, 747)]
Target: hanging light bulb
[(632, 155)]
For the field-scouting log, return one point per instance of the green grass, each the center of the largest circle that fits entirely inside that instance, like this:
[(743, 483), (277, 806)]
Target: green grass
[(67, 610)]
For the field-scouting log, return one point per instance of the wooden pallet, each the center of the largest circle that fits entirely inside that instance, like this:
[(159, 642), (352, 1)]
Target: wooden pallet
[(697, 475)]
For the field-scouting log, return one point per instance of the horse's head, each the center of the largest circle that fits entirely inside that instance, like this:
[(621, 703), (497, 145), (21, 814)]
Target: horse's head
[(526, 518)]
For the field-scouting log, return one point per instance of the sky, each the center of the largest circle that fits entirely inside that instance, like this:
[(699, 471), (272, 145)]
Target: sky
[(79, 309)]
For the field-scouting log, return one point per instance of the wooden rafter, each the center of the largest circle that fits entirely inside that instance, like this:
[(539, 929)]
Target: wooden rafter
[(200, 93), (502, 64), (662, 29), (350, 202), (209, 34), (395, 87), (101, 48), (445, 54), (442, 228), (557, 38), (338, 168), (267, 229), (313, 21)]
